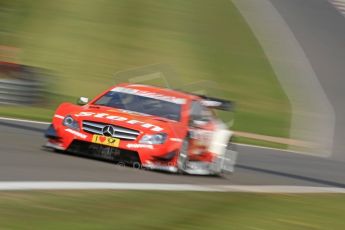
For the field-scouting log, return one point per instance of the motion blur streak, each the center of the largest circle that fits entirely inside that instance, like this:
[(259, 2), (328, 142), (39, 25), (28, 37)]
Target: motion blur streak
[(313, 117), (320, 30)]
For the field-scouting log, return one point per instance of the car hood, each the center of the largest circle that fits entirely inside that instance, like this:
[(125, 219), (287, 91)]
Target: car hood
[(129, 119)]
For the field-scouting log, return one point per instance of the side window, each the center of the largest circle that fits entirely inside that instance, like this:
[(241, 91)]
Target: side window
[(200, 112)]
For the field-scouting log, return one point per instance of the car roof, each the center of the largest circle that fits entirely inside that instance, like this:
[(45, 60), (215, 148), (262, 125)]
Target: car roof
[(163, 91)]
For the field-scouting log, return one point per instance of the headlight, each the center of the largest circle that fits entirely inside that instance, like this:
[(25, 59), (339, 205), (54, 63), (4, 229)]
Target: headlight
[(69, 122), (153, 139)]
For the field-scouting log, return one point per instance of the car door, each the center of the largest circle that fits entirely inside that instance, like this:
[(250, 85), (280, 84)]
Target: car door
[(201, 127)]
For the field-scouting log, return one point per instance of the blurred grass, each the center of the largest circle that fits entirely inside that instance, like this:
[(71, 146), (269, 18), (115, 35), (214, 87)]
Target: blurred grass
[(169, 210), (85, 42)]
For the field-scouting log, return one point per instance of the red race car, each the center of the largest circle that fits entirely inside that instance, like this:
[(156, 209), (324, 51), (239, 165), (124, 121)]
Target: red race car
[(149, 127)]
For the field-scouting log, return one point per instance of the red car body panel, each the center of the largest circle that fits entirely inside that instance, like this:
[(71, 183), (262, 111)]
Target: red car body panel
[(176, 131)]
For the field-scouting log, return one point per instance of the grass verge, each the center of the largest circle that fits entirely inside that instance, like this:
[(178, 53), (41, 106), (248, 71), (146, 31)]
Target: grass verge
[(169, 210)]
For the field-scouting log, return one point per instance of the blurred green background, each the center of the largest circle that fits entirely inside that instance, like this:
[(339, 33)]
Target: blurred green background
[(84, 42)]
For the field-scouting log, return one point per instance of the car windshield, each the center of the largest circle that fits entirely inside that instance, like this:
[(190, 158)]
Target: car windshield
[(141, 104)]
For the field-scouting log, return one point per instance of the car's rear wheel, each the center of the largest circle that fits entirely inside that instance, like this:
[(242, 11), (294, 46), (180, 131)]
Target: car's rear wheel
[(230, 147)]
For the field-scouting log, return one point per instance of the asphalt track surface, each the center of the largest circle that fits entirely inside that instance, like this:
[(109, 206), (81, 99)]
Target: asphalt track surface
[(23, 159), (320, 30)]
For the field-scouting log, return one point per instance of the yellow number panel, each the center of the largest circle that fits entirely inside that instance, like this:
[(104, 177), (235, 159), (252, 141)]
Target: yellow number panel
[(103, 140)]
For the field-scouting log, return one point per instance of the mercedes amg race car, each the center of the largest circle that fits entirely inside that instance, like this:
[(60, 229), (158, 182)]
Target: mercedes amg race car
[(149, 127)]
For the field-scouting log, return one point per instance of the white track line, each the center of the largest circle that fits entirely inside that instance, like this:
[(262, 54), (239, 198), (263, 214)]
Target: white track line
[(18, 186), (23, 120)]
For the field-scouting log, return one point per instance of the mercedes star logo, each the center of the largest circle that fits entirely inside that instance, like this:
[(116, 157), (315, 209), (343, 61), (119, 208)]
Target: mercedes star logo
[(108, 131)]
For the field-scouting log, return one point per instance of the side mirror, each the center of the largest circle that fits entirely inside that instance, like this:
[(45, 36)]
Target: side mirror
[(83, 101)]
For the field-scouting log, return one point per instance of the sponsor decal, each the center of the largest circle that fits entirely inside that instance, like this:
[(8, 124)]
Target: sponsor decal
[(119, 118), (209, 103), (59, 116), (139, 146), (76, 133), (132, 112), (103, 140), (148, 94), (176, 139)]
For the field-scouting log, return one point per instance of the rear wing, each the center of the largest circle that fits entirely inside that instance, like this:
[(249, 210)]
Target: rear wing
[(216, 103)]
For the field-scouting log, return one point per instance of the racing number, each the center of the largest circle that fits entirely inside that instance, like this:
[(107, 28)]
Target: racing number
[(103, 140)]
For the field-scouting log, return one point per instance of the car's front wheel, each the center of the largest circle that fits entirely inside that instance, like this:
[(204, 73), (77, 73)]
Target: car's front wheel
[(183, 158)]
